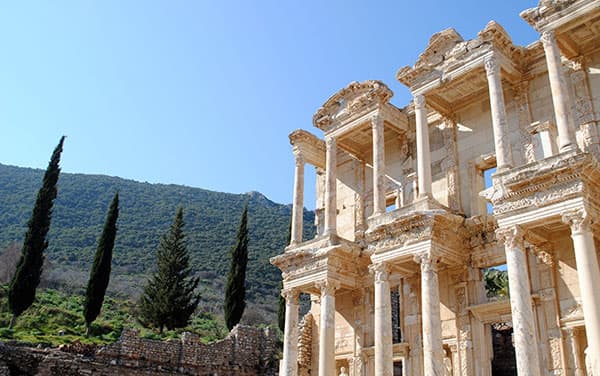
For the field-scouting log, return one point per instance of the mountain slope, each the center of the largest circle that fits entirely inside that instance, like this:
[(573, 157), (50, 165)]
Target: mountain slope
[(146, 212)]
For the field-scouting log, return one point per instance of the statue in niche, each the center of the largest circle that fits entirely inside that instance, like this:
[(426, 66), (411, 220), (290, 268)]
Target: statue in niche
[(343, 371)]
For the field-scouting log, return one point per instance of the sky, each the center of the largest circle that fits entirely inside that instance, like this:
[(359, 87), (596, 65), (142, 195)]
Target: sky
[(204, 93)]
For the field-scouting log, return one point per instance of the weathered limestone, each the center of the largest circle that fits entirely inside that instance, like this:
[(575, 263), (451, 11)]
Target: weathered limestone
[(433, 355), (589, 280), (520, 302), (501, 141), (378, 166), (327, 328), (289, 362), (423, 153), (298, 203), (560, 93), (383, 321), (330, 187)]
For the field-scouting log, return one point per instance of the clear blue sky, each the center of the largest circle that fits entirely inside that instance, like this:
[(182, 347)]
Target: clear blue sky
[(203, 93)]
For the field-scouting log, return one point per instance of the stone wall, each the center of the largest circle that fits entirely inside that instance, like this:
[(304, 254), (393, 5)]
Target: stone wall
[(246, 351)]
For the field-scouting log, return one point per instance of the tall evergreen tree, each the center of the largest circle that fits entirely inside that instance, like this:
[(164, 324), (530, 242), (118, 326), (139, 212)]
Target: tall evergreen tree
[(169, 299), (235, 290), (100, 273), (21, 290), (281, 305)]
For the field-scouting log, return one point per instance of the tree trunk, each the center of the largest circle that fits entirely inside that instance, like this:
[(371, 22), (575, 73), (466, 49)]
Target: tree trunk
[(88, 329), (12, 321)]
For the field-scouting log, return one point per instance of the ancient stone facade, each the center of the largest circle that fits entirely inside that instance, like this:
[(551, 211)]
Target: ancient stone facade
[(403, 206), (246, 351)]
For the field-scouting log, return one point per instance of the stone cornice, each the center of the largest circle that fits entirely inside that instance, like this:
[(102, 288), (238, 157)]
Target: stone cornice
[(309, 146), (356, 99), (551, 13)]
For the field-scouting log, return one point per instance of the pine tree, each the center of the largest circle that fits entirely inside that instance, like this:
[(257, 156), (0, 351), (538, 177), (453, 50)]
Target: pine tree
[(235, 290), (21, 290), (169, 299), (100, 273), (281, 305)]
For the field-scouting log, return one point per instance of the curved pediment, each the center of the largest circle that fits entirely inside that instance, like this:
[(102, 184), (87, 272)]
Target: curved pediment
[(354, 99), (440, 44)]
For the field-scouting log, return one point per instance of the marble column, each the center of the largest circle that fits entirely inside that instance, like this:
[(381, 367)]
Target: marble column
[(576, 352), (327, 328), (289, 361), (423, 152), (378, 166), (298, 203), (330, 186), (384, 363), (588, 273), (560, 93), (500, 127), (524, 335), (433, 354)]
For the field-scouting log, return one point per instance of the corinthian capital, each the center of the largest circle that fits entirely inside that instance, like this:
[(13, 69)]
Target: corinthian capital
[(291, 296), (328, 287), (299, 158), (428, 261), (579, 220), (330, 142), (491, 66), (419, 101), (512, 237), (381, 272), (548, 39)]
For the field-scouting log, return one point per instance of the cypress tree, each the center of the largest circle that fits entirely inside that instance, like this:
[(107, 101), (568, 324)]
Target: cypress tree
[(169, 299), (281, 305), (21, 290), (100, 273), (235, 290)]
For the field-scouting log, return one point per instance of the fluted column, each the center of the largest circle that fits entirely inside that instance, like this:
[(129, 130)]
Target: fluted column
[(560, 93), (330, 186), (504, 159), (289, 361), (433, 354), (384, 363), (588, 273), (423, 152), (378, 166), (298, 203), (327, 328), (524, 336)]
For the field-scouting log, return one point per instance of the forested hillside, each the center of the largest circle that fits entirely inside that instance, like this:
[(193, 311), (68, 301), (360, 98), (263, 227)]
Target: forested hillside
[(146, 212)]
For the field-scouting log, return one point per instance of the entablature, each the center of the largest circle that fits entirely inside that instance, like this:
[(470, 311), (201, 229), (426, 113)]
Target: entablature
[(309, 146)]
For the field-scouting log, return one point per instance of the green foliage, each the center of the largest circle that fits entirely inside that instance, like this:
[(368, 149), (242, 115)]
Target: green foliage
[(235, 291), (281, 300), (169, 298), (26, 279), (496, 283), (211, 218), (56, 318), (100, 273)]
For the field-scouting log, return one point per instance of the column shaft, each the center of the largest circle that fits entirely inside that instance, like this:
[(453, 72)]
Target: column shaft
[(378, 166), (524, 336), (384, 364), (330, 186), (327, 329), (290, 336), (560, 94), (298, 203), (423, 152), (433, 358), (588, 273), (499, 125)]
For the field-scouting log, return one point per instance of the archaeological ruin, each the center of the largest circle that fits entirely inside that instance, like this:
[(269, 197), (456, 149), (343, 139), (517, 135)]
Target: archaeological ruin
[(407, 221)]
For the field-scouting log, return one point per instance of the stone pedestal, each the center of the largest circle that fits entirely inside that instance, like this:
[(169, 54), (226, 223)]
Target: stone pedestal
[(330, 186), (433, 354), (525, 340), (298, 203), (588, 272), (327, 328), (500, 127), (423, 152), (378, 166), (384, 364), (289, 362)]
